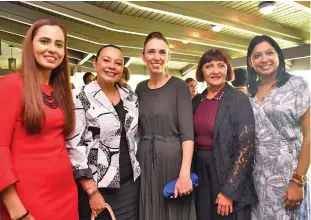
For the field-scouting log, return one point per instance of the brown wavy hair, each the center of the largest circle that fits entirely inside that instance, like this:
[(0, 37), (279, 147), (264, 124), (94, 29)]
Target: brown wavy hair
[(33, 113)]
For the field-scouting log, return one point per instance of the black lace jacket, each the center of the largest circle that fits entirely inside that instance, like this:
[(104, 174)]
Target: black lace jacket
[(233, 146)]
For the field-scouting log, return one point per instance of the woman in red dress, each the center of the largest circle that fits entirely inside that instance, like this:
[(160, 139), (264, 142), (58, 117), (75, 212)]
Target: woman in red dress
[(36, 179)]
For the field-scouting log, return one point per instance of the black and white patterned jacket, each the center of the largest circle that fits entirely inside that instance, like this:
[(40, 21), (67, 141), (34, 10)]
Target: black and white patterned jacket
[(94, 145)]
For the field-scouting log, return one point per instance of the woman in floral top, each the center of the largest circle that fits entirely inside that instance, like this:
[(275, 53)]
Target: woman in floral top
[(281, 105)]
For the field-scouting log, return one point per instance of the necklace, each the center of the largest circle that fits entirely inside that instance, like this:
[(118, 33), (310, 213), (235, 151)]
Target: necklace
[(49, 100)]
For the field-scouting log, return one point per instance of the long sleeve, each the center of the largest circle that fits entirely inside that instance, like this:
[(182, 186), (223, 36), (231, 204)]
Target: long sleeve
[(11, 102), (76, 143), (244, 156), (185, 113)]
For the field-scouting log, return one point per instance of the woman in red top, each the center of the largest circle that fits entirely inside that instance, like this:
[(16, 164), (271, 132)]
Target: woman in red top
[(36, 179)]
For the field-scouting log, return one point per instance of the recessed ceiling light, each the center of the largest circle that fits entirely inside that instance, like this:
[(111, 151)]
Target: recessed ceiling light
[(195, 34), (266, 7), (185, 41), (217, 28)]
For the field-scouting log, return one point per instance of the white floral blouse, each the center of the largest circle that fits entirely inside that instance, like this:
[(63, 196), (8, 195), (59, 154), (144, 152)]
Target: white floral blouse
[(278, 144)]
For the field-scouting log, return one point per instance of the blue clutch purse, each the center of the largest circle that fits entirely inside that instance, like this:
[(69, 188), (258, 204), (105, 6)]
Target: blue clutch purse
[(168, 190)]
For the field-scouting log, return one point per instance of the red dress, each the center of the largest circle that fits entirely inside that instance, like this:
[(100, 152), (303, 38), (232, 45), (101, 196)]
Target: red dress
[(38, 164)]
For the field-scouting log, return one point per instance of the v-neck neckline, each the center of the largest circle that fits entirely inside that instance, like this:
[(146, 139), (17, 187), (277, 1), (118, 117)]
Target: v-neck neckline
[(265, 97)]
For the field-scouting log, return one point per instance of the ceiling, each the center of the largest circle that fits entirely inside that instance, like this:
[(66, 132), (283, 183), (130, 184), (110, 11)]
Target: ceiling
[(187, 25)]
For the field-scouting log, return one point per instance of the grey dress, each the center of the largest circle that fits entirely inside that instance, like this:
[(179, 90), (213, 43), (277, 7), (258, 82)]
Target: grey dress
[(165, 121), (278, 145)]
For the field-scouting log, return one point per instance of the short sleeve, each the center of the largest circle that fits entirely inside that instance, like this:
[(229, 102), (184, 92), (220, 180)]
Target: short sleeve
[(185, 114), (138, 88), (302, 98), (11, 102)]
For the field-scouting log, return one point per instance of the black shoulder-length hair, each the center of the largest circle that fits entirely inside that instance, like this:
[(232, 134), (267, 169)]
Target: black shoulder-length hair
[(281, 77)]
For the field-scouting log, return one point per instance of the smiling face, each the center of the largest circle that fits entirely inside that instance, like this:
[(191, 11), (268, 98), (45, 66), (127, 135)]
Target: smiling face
[(156, 56), (49, 47), (109, 65), (265, 60), (215, 73)]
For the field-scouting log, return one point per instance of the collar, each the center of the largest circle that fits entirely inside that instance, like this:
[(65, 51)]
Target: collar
[(217, 97)]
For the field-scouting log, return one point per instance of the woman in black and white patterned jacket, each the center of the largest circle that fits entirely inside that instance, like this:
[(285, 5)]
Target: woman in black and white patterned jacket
[(102, 148)]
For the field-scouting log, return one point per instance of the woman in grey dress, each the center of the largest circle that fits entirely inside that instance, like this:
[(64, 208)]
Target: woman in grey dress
[(281, 105), (166, 145)]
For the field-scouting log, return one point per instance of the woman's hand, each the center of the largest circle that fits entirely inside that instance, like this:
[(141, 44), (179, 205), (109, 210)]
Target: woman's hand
[(13, 204), (97, 202), (293, 196), (224, 205), (183, 185)]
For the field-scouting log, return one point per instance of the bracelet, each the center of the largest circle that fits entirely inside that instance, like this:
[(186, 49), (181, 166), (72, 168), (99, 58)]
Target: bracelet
[(24, 216), (90, 187), (297, 182), (93, 193), (301, 178)]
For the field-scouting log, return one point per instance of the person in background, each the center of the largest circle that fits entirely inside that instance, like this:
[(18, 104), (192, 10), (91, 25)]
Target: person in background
[(36, 179), (102, 147), (166, 145), (240, 79), (281, 104), (224, 142), (88, 77), (72, 86), (125, 77), (192, 85)]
